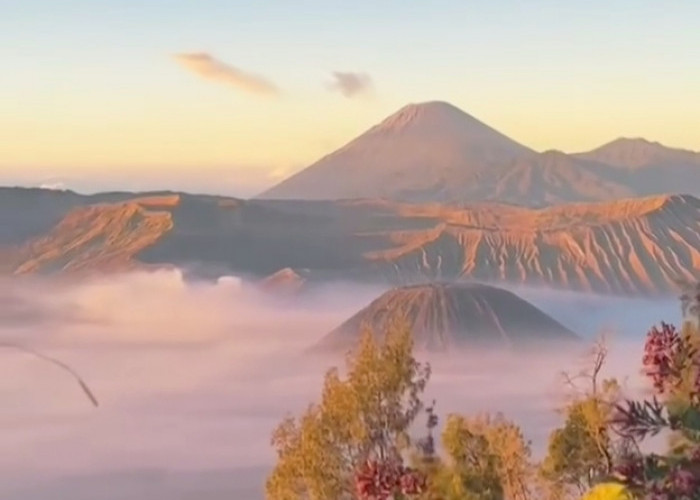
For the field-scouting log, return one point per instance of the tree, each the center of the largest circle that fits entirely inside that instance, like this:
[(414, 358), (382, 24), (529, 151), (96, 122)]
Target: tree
[(690, 302), (352, 444), (582, 451), (487, 459), (573, 456)]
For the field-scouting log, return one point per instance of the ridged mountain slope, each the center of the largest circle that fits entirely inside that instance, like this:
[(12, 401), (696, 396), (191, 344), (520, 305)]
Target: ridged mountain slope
[(444, 317), (103, 236), (625, 247)]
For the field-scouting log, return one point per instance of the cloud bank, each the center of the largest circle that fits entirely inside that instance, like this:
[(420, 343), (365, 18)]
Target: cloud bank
[(207, 66), (351, 84), (193, 376)]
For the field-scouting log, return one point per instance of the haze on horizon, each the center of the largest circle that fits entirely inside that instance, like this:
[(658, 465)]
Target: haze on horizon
[(231, 98)]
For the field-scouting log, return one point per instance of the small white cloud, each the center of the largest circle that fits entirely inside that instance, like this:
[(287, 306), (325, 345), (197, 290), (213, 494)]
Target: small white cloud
[(351, 84), (54, 186)]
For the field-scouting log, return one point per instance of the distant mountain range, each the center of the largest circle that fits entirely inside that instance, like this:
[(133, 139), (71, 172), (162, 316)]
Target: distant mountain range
[(434, 152), (630, 246), (431, 193)]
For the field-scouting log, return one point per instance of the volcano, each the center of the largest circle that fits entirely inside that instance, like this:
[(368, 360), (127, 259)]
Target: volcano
[(435, 152), (452, 316), (424, 152)]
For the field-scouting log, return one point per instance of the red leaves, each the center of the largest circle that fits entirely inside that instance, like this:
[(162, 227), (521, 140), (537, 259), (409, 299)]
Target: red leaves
[(631, 470), (682, 481), (383, 480), (660, 356), (669, 359), (667, 354)]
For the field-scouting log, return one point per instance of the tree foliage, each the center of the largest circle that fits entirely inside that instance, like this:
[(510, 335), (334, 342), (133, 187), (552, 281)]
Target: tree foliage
[(672, 362), (582, 450), (353, 442), (487, 458), (573, 457), (690, 302)]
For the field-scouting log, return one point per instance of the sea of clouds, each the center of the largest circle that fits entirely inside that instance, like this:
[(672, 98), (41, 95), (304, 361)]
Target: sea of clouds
[(192, 378)]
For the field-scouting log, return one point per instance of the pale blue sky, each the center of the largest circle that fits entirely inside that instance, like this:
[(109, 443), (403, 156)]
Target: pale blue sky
[(90, 89)]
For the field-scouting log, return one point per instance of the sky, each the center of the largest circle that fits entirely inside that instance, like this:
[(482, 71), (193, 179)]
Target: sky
[(232, 96)]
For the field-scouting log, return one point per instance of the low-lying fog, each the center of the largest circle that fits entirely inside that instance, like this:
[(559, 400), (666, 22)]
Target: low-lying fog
[(192, 378)]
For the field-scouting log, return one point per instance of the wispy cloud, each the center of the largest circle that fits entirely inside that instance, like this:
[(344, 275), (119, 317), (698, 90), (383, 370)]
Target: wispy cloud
[(351, 84), (207, 66)]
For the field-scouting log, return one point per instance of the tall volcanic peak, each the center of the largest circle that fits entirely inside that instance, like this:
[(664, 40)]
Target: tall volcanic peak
[(437, 115), (423, 152), (435, 152), (445, 316)]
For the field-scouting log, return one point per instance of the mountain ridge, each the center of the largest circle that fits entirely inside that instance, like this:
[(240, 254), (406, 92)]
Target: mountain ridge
[(433, 151), (636, 152), (632, 246)]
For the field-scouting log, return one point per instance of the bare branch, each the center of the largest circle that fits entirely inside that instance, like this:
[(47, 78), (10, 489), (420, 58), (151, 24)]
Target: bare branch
[(54, 361)]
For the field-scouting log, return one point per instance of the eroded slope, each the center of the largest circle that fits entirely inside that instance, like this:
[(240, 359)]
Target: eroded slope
[(629, 246), (444, 317)]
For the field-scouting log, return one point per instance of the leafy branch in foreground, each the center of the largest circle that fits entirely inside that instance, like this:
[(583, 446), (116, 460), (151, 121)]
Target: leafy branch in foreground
[(672, 361)]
